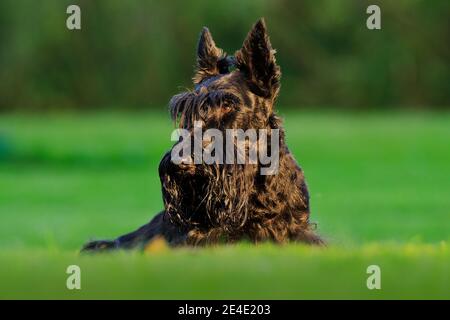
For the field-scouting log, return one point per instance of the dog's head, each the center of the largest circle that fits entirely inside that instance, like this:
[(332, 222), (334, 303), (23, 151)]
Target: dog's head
[(231, 91)]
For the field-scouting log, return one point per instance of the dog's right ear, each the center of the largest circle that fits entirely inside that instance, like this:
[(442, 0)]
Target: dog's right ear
[(256, 59), (209, 57)]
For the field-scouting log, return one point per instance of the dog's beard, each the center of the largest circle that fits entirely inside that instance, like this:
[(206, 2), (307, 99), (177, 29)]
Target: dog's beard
[(216, 196), (228, 193)]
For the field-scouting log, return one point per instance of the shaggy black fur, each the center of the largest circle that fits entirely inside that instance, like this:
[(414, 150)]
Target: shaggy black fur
[(207, 204)]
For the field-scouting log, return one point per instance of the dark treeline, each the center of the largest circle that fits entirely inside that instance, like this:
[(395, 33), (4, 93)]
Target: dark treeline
[(137, 54)]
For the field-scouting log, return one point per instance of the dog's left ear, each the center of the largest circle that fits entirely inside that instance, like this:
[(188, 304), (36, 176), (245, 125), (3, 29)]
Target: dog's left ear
[(209, 57), (256, 59)]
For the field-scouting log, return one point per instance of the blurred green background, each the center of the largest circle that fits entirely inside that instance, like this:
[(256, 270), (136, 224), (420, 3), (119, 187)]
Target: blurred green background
[(136, 54), (84, 123)]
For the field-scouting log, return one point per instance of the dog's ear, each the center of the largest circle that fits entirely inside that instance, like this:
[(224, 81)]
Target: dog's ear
[(256, 59), (209, 57)]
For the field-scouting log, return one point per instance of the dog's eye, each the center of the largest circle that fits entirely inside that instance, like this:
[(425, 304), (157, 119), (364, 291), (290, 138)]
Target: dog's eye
[(230, 101), (228, 104)]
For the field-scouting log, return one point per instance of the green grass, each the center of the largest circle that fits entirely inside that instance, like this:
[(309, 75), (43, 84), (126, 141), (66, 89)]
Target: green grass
[(380, 192)]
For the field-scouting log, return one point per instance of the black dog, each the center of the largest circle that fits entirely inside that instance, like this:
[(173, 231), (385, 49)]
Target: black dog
[(212, 203)]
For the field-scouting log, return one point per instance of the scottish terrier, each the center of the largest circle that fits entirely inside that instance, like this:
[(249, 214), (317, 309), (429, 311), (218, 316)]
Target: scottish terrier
[(229, 202)]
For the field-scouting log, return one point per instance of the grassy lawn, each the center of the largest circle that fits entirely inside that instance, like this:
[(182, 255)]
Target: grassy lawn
[(380, 192)]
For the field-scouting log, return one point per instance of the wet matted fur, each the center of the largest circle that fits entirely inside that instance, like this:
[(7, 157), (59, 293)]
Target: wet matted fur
[(213, 203)]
